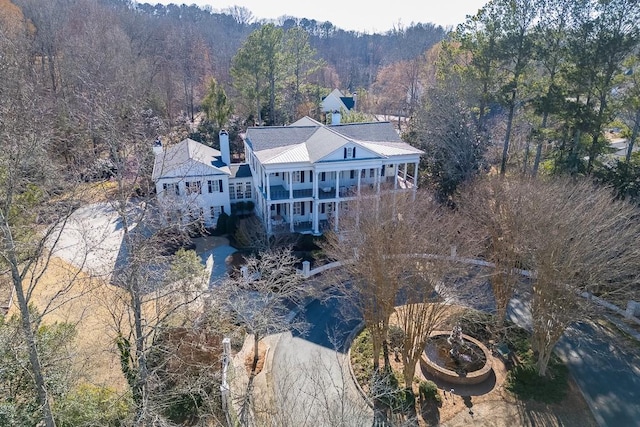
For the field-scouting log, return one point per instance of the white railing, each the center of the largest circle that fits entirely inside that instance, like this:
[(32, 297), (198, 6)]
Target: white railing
[(629, 313)]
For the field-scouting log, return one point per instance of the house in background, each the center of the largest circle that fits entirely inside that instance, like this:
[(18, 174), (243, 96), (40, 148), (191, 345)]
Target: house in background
[(300, 177), (336, 103), (304, 174)]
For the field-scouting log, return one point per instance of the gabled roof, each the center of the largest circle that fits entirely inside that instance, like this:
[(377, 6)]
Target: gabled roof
[(347, 101), (310, 141), (187, 151)]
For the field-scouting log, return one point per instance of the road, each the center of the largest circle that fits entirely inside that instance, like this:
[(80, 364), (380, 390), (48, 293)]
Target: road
[(607, 370), (605, 367), (310, 372)]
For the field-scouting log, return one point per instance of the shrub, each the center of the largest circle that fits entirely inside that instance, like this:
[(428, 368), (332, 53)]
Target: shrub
[(362, 357), (241, 206), (428, 390), (222, 225), (524, 381), (92, 405)]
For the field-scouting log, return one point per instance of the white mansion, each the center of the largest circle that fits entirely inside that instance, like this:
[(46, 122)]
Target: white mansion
[(298, 176)]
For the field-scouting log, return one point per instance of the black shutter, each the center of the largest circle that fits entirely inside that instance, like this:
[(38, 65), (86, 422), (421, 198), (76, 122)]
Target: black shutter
[(220, 185), (310, 207), (302, 208), (311, 176), (345, 152), (302, 174), (354, 152)]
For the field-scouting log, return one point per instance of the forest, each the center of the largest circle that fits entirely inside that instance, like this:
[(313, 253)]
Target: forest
[(530, 91)]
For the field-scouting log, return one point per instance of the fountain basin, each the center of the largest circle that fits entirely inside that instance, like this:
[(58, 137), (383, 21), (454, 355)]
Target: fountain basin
[(435, 363)]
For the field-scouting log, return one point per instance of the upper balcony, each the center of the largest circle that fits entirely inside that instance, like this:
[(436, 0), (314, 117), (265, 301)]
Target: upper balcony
[(327, 189)]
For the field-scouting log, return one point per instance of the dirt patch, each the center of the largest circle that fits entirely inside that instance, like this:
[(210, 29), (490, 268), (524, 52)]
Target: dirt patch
[(248, 359)]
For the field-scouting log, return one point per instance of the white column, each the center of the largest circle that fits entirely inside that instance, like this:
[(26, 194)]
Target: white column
[(316, 221), (395, 181), (359, 176), (315, 184), (290, 179), (268, 218), (378, 177), (268, 188), (291, 217), (415, 175), (337, 184), (336, 215)]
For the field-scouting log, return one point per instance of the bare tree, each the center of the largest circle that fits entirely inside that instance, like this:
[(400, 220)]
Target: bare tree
[(260, 300), (375, 237), (572, 237), (381, 241), (498, 210), (580, 239), (36, 198)]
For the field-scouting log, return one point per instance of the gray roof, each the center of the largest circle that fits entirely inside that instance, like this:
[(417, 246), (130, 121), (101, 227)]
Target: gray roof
[(310, 141), (240, 170), (268, 137), (372, 132), (187, 150)]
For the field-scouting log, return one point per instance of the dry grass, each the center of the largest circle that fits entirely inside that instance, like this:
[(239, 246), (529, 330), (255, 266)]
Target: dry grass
[(86, 306)]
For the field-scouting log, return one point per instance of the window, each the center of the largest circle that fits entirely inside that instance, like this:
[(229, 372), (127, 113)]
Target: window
[(215, 186), (352, 174), (297, 208), (239, 190), (247, 190), (382, 173), (349, 152), (322, 176), (171, 188), (296, 177), (372, 173), (232, 191), (363, 173), (193, 187)]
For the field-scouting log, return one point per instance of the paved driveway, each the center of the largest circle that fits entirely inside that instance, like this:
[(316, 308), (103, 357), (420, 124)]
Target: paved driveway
[(213, 251), (91, 239), (311, 379)]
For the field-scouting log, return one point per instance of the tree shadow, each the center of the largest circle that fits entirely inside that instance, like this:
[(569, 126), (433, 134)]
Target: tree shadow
[(467, 402), (430, 411)]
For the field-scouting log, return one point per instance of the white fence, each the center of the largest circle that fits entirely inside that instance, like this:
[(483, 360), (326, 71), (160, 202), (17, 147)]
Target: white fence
[(631, 312)]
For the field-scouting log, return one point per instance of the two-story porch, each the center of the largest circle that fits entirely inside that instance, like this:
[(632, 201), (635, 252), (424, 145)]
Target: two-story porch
[(308, 201)]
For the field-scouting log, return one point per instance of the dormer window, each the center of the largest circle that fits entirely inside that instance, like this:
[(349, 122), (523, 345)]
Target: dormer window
[(349, 152)]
